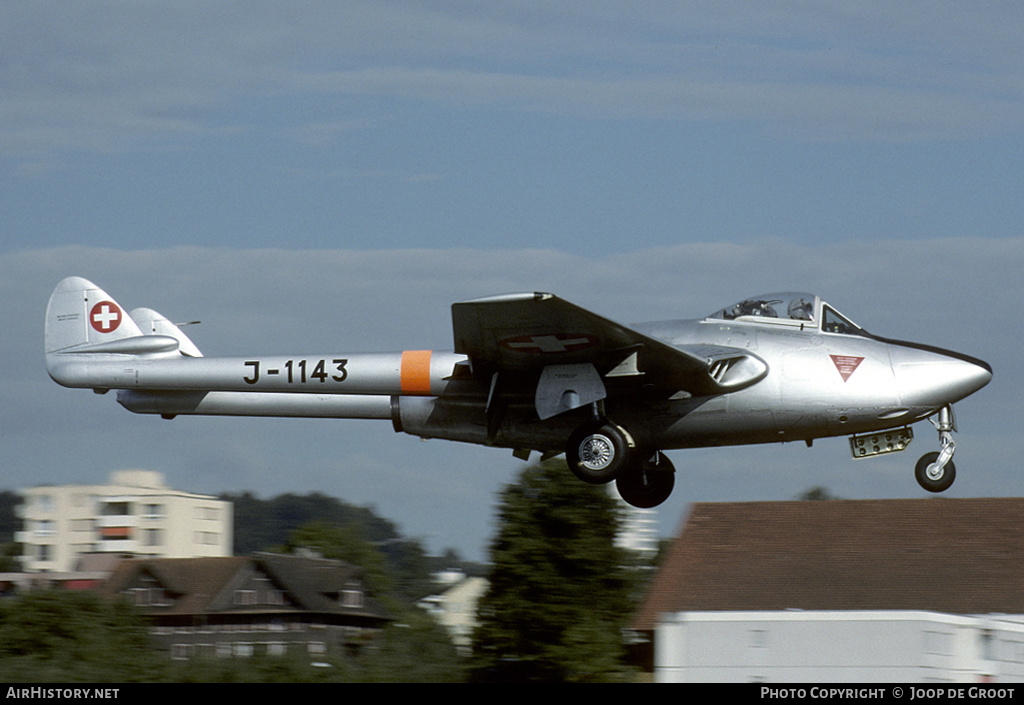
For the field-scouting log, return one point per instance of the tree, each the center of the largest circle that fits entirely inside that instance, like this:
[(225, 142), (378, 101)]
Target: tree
[(263, 524), (345, 543), (559, 586), (57, 636), (816, 494)]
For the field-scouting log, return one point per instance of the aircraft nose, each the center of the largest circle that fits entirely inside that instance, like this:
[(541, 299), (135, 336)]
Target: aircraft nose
[(935, 377)]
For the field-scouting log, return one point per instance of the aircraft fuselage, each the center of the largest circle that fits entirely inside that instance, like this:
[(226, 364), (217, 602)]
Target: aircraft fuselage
[(532, 372)]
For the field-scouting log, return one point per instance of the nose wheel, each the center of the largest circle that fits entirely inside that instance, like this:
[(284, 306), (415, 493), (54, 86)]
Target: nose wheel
[(932, 474), (935, 472)]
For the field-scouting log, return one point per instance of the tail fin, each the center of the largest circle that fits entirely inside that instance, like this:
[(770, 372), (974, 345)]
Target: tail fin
[(80, 314), (87, 331)]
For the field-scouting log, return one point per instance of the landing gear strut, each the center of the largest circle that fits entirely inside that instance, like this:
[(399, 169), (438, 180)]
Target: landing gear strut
[(935, 472)]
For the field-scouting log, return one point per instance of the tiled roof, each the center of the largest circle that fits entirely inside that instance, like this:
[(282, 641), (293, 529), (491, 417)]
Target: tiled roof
[(194, 582), (960, 556), (207, 585)]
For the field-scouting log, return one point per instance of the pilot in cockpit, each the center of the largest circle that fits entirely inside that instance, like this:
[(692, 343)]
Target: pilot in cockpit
[(800, 309), (755, 307)]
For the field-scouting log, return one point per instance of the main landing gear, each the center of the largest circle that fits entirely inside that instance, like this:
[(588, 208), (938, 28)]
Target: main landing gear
[(601, 451), (649, 483), (935, 472)]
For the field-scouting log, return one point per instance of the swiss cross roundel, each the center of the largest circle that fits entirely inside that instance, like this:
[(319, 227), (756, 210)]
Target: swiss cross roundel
[(105, 317)]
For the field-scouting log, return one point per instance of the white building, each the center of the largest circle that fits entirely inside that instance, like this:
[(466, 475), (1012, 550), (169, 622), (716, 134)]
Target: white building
[(455, 606), (639, 530), (859, 646), (134, 514), (900, 590)]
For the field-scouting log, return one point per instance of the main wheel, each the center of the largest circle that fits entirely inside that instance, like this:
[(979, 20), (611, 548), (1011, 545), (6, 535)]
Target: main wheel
[(597, 452), (647, 484), (930, 477)]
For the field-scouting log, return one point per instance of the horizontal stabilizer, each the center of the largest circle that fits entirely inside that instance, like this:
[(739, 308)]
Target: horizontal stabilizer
[(88, 333), (152, 323)]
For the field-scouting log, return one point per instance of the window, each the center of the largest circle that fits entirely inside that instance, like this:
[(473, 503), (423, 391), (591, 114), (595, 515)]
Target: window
[(148, 596), (205, 538), (154, 537), (790, 308), (206, 513), (832, 322), (117, 509), (352, 598), (245, 597)]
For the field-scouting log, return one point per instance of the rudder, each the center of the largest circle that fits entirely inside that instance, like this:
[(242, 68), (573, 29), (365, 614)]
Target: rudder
[(80, 313)]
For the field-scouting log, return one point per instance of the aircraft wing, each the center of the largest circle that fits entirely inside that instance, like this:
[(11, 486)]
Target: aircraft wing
[(519, 332)]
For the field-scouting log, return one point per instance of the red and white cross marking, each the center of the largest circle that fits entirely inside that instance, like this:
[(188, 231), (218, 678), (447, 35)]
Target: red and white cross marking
[(105, 317)]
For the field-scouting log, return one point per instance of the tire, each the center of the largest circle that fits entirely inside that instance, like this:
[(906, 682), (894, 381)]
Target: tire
[(648, 484), (929, 480), (598, 452)]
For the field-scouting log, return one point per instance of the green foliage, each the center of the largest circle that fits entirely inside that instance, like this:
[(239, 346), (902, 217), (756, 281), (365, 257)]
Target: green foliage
[(9, 521), (258, 669), (560, 589), (415, 650), (55, 636), (76, 637), (816, 494), (337, 530), (10, 554), (262, 524), (345, 543)]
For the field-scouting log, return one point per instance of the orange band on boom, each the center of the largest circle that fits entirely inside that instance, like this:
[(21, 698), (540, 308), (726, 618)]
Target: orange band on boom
[(416, 372)]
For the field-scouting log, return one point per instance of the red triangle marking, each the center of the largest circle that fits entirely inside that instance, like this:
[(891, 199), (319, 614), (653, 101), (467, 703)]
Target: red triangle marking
[(846, 364)]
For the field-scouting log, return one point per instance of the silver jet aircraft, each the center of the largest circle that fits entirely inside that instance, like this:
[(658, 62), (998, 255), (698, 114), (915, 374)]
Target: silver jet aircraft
[(532, 372)]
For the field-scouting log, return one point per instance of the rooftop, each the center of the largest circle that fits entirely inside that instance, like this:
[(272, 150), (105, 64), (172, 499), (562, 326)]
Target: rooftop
[(958, 556)]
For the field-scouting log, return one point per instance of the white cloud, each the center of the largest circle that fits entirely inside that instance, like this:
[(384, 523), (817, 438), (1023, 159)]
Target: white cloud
[(109, 76)]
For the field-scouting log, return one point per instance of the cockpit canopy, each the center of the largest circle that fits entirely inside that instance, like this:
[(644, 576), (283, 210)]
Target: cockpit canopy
[(797, 309)]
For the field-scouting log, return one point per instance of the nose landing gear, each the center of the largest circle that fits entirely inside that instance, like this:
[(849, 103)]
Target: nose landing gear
[(935, 472)]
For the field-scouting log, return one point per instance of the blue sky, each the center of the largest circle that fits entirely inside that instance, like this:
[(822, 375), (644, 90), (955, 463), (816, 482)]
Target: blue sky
[(302, 175)]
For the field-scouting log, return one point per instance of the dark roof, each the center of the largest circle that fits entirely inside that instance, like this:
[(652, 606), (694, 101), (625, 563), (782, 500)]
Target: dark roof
[(207, 585), (194, 583), (314, 583), (958, 556)]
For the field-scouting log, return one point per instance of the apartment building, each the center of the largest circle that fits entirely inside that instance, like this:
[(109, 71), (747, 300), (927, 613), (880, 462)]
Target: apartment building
[(134, 514)]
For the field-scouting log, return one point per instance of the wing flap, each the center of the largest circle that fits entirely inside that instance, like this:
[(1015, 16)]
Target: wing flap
[(519, 332)]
